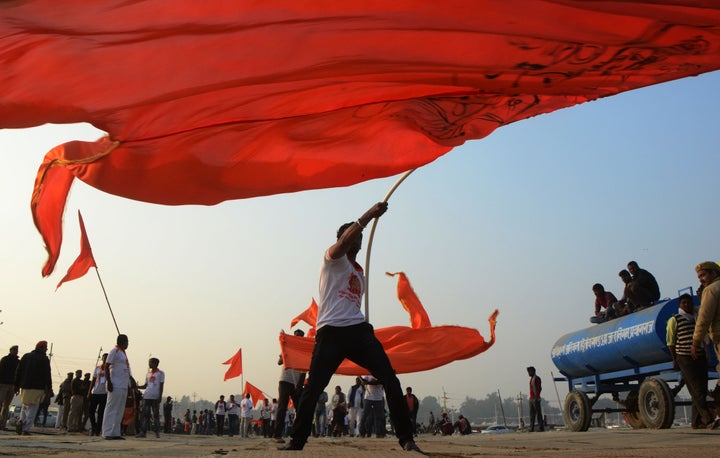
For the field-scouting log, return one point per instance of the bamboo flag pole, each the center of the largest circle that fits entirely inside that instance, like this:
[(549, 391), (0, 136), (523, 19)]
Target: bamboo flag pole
[(369, 245), (106, 300)]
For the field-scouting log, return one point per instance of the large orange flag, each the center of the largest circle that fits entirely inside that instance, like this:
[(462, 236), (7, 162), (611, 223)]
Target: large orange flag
[(256, 394), (85, 259), (235, 363), (208, 101), (411, 349)]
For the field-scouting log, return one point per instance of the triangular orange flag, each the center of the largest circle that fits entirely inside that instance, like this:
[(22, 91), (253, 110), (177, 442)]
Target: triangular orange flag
[(256, 394), (309, 316), (85, 259), (235, 363)]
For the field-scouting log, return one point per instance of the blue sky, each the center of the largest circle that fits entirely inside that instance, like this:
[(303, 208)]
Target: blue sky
[(525, 220)]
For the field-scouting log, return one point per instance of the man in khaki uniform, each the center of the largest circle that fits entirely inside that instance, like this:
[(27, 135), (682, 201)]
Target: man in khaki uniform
[(708, 320)]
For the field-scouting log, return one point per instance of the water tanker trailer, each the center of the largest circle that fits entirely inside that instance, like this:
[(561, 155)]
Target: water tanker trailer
[(627, 358)]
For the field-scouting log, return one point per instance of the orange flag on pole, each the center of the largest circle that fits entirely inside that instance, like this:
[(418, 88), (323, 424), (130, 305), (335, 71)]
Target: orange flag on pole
[(309, 316), (256, 393), (235, 363), (85, 259)]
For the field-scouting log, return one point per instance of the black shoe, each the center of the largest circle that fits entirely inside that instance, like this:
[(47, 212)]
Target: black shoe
[(291, 446), (411, 446)]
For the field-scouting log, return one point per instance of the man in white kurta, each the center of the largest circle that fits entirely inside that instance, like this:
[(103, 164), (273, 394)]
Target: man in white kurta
[(117, 374)]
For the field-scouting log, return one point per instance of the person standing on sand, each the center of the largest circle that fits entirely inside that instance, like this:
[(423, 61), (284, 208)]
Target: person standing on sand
[(118, 381), (535, 401), (33, 382), (342, 332)]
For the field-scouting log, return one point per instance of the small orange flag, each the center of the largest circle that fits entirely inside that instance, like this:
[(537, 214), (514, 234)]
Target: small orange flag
[(256, 394), (85, 259), (235, 363), (309, 316)]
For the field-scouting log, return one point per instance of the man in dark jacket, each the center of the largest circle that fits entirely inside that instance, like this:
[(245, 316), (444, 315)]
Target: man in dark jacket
[(33, 381), (8, 366)]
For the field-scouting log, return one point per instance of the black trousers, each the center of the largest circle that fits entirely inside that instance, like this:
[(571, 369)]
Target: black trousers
[(286, 391), (97, 410), (694, 371), (536, 412), (358, 344)]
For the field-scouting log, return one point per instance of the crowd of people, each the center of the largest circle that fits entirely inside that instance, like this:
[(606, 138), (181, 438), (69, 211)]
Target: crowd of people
[(116, 406), (640, 290)]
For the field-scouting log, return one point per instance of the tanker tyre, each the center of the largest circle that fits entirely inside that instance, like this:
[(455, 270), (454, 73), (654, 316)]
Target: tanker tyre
[(655, 404), (670, 417), (632, 415), (577, 411)]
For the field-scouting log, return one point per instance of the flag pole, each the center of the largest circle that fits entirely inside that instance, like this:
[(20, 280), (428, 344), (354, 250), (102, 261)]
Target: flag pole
[(106, 300), (369, 246)]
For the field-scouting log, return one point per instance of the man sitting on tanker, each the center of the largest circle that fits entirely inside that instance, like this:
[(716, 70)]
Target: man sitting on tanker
[(634, 296), (679, 334), (603, 300), (645, 281)]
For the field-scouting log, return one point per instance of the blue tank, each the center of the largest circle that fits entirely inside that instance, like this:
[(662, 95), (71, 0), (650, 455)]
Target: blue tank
[(628, 342)]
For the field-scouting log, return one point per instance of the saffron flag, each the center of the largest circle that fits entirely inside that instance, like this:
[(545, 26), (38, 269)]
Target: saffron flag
[(85, 259), (410, 302), (235, 363), (209, 101), (410, 349), (256, 394), (309, 316)]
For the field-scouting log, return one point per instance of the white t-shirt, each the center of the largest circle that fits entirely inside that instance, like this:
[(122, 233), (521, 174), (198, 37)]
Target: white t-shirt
[(119, 367), (341, 290), (99, 376), (290, 376), (220, 407), (153, 380), (246, 406), (374, 392), (232, 408)]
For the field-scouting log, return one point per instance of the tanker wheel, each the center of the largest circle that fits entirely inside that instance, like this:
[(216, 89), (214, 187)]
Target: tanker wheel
[(632, 415), (577, 411), (670, 418), (655, 403)]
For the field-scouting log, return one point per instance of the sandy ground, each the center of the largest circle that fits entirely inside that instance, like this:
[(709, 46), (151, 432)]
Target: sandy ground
[(681, 442)]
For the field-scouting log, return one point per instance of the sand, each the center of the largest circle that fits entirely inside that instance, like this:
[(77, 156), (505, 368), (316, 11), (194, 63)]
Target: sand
[(681, 442)]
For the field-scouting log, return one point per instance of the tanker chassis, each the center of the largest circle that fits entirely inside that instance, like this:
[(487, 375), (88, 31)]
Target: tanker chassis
[(628, 358)]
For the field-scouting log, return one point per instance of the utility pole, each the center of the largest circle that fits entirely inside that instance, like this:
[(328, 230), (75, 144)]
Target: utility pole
[(444, 398), (520, 412), (502, 409)]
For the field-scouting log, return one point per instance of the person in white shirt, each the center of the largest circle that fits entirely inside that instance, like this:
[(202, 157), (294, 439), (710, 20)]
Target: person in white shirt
[(246, 408), (356, 398), (220, 411), (98, 398), (232, 407), (342, 332), (118, 381), (154, 383)]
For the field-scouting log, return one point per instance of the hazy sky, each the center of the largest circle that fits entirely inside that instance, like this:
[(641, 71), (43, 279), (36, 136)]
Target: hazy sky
[(525, 221)]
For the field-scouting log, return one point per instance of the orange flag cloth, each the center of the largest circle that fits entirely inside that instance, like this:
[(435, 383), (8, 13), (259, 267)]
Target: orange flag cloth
[(285, 96), (309, 316), (85, 259), (256, 394), (235, 368), (410, 349)]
